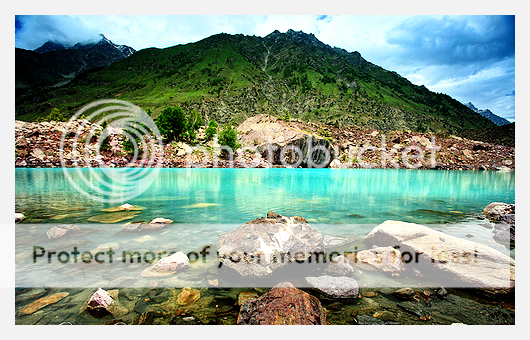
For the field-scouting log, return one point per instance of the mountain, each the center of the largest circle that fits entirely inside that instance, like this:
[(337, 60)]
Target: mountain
[(499, 121), (50, 46), (54, 64), (231, 77)]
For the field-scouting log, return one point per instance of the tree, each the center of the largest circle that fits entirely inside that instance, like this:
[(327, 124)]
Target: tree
[(228, 137), (56, 115), (172, 123), (211, 130), (192, 125)]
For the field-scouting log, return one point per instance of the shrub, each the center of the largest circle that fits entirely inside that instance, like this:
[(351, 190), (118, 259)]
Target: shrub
[(228, 137), (56, 115), (211, 130), (172, 123)]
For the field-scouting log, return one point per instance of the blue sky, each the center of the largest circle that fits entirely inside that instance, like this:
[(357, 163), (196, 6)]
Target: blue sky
[(471, 58)]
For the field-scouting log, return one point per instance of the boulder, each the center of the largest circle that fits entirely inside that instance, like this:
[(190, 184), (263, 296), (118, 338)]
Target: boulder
[(283, 305), (383, 259), (336, 287), (500, 212), (449, 260), (504, 234), (168, 265), (19, 217), (258, 247), (274, 138)]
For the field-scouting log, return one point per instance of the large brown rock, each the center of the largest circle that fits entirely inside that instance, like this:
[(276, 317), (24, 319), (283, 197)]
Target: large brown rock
[(258, 247), (271, 136), (500, 212), (283, 305), (451, 261)]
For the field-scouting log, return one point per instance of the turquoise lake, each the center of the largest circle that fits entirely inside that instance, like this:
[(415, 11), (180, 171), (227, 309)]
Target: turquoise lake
[(204, 203), (234, 196)]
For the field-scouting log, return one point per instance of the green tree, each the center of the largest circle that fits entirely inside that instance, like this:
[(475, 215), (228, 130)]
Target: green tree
[(56, 115), (228, 137), (211, 130), (193, 123), (172, 123)]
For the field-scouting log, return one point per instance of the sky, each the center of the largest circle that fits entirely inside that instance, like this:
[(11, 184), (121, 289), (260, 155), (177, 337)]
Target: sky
[(471, 58)]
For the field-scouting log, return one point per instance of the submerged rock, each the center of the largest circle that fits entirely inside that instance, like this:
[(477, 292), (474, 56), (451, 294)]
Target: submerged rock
[(448, 259), (337, 287), (114, 217), (340, 266), (404, 293), (258, 247), (335, 241), (143, 227), (104, 302), (282, 305), (188, 296), (41, 303), (61, 230), (167, 266)]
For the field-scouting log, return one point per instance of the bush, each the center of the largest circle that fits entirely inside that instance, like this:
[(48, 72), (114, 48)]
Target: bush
[(228, 137), (172, 123), (211, 130), (56, 115)]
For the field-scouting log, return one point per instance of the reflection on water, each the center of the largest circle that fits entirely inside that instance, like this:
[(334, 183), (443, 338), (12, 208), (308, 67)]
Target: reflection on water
[(238, 195)]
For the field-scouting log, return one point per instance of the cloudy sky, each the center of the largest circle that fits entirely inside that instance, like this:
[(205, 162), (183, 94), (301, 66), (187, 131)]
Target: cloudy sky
[(471, 58)]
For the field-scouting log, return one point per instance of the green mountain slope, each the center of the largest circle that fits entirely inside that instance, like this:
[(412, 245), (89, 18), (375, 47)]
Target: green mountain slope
[(230, 77)]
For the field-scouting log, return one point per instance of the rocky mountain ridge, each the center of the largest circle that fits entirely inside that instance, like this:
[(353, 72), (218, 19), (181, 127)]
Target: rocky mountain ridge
[(54, 64), (499, 121)]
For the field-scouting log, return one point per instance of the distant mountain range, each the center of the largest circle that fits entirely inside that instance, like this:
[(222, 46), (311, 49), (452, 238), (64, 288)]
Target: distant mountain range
[(54, 64), (231, 77), (499, 121)]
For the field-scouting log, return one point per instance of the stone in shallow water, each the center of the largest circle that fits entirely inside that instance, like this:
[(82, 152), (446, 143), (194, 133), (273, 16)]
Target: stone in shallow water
[(42, 302), (61, 230), (340, 266), (104, 302), (161, 220), (19, 217), (335, 241), (114, 217), (143, 227), (337, 287), (168, 265), (123, 207), (448, 260), (188, 296), (282, 305), (260, 246)]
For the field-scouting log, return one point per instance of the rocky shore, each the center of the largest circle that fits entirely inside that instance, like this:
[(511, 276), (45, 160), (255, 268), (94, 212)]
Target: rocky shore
[(37, 145)]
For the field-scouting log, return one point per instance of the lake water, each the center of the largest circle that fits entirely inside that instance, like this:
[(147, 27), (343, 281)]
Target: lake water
[(206, 202), (234, 196)]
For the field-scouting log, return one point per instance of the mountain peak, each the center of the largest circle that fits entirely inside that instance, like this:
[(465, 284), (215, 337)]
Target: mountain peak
[(499, 121), (49, 46)]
